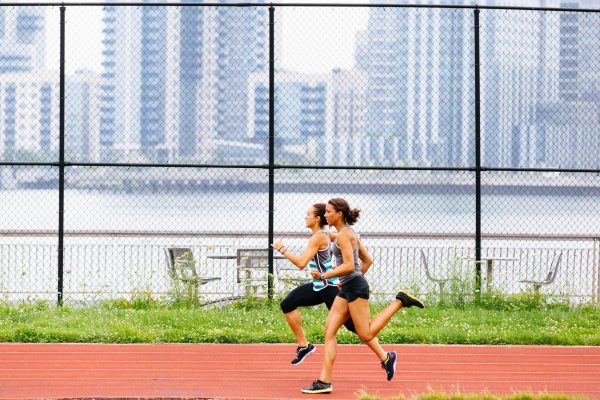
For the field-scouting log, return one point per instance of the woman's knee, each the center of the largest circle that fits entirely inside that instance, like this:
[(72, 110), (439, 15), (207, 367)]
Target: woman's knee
[(287, 306), (329, 330), (365, 338), (364, 335)]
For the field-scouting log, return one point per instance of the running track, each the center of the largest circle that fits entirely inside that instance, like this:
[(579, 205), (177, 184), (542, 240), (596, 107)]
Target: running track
[(262, 371)]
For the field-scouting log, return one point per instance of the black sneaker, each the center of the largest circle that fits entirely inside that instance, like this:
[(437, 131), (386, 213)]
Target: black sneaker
[(303, 352), (390, 365), (318, 387), (408, 300)]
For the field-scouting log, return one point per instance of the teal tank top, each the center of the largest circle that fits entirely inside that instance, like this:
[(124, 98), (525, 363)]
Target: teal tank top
[(323, 262)]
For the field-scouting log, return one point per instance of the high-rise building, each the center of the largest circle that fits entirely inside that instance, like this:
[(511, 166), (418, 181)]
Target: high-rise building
[(241, 48), (82, 117), (319, 118), (220, 47), (300, 116), (179, 79), (22, 39), (191, 50), (517, 54), (567, 122), (29, 111), (120, 86), (419, 82), (28, 123), (136, 97), (420, 99), (579, 75), (345, 136)]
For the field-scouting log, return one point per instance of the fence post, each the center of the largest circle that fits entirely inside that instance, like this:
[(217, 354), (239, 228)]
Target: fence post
[(271, 146), (61, 163), (477, 160)]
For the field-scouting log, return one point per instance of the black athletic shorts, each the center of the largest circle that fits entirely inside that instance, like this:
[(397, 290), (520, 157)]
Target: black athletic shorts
[(305, 296), (355, 288)]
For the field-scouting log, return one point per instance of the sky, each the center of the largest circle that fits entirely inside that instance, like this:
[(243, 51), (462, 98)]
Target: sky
[(326, 36)]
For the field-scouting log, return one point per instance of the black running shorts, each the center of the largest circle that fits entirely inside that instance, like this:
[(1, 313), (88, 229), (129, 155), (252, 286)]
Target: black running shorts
[(304, 296), (355, 288)]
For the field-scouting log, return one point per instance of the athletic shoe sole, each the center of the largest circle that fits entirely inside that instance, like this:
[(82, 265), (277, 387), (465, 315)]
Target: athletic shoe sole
[(328, 390)]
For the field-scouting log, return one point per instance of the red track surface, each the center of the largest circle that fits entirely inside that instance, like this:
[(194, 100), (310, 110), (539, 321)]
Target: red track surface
[(263, 371)]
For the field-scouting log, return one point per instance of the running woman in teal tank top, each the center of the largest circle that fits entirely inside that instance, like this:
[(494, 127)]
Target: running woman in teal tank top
[(353, 298), (317, 256)]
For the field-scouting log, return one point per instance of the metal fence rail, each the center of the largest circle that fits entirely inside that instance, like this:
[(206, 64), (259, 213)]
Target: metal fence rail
[(454, 127), (123, 271)]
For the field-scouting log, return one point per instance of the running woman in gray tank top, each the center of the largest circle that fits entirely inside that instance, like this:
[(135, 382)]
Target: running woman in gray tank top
[(352, 261)]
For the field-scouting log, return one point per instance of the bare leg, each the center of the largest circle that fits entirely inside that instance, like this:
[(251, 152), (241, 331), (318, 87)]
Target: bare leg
[(381, 320), (377, 349), (367, 330), (337, 316), (360, 312), (294, 320)]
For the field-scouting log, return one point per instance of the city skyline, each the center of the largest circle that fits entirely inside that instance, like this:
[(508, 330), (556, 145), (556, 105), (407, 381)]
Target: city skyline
[(86, 28), (180, 88)]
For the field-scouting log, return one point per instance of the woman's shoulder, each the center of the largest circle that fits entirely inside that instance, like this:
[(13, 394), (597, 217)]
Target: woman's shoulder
[(346, 234), (320, 237), (349, 236)]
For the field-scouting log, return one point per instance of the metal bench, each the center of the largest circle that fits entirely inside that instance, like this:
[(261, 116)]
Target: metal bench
[(550, 277), (181, 266), (440, 281)]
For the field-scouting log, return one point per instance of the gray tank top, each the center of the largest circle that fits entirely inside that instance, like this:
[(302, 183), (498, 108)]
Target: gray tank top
[(337, 252)]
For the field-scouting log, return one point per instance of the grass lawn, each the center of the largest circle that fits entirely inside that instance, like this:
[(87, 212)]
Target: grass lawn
[(514, 320)]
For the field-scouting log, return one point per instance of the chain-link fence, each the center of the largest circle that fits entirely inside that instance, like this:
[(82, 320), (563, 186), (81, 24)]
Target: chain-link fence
[(160, 148)]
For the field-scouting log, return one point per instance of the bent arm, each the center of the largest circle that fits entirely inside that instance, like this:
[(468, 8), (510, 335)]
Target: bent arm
[(365, 258), (344, 241), (301, 261)]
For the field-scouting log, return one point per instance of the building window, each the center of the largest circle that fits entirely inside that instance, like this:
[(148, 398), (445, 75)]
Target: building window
[(1, 22), (28, 26)]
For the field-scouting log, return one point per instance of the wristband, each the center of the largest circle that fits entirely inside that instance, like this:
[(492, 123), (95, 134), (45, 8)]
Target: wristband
[(323, 276)]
